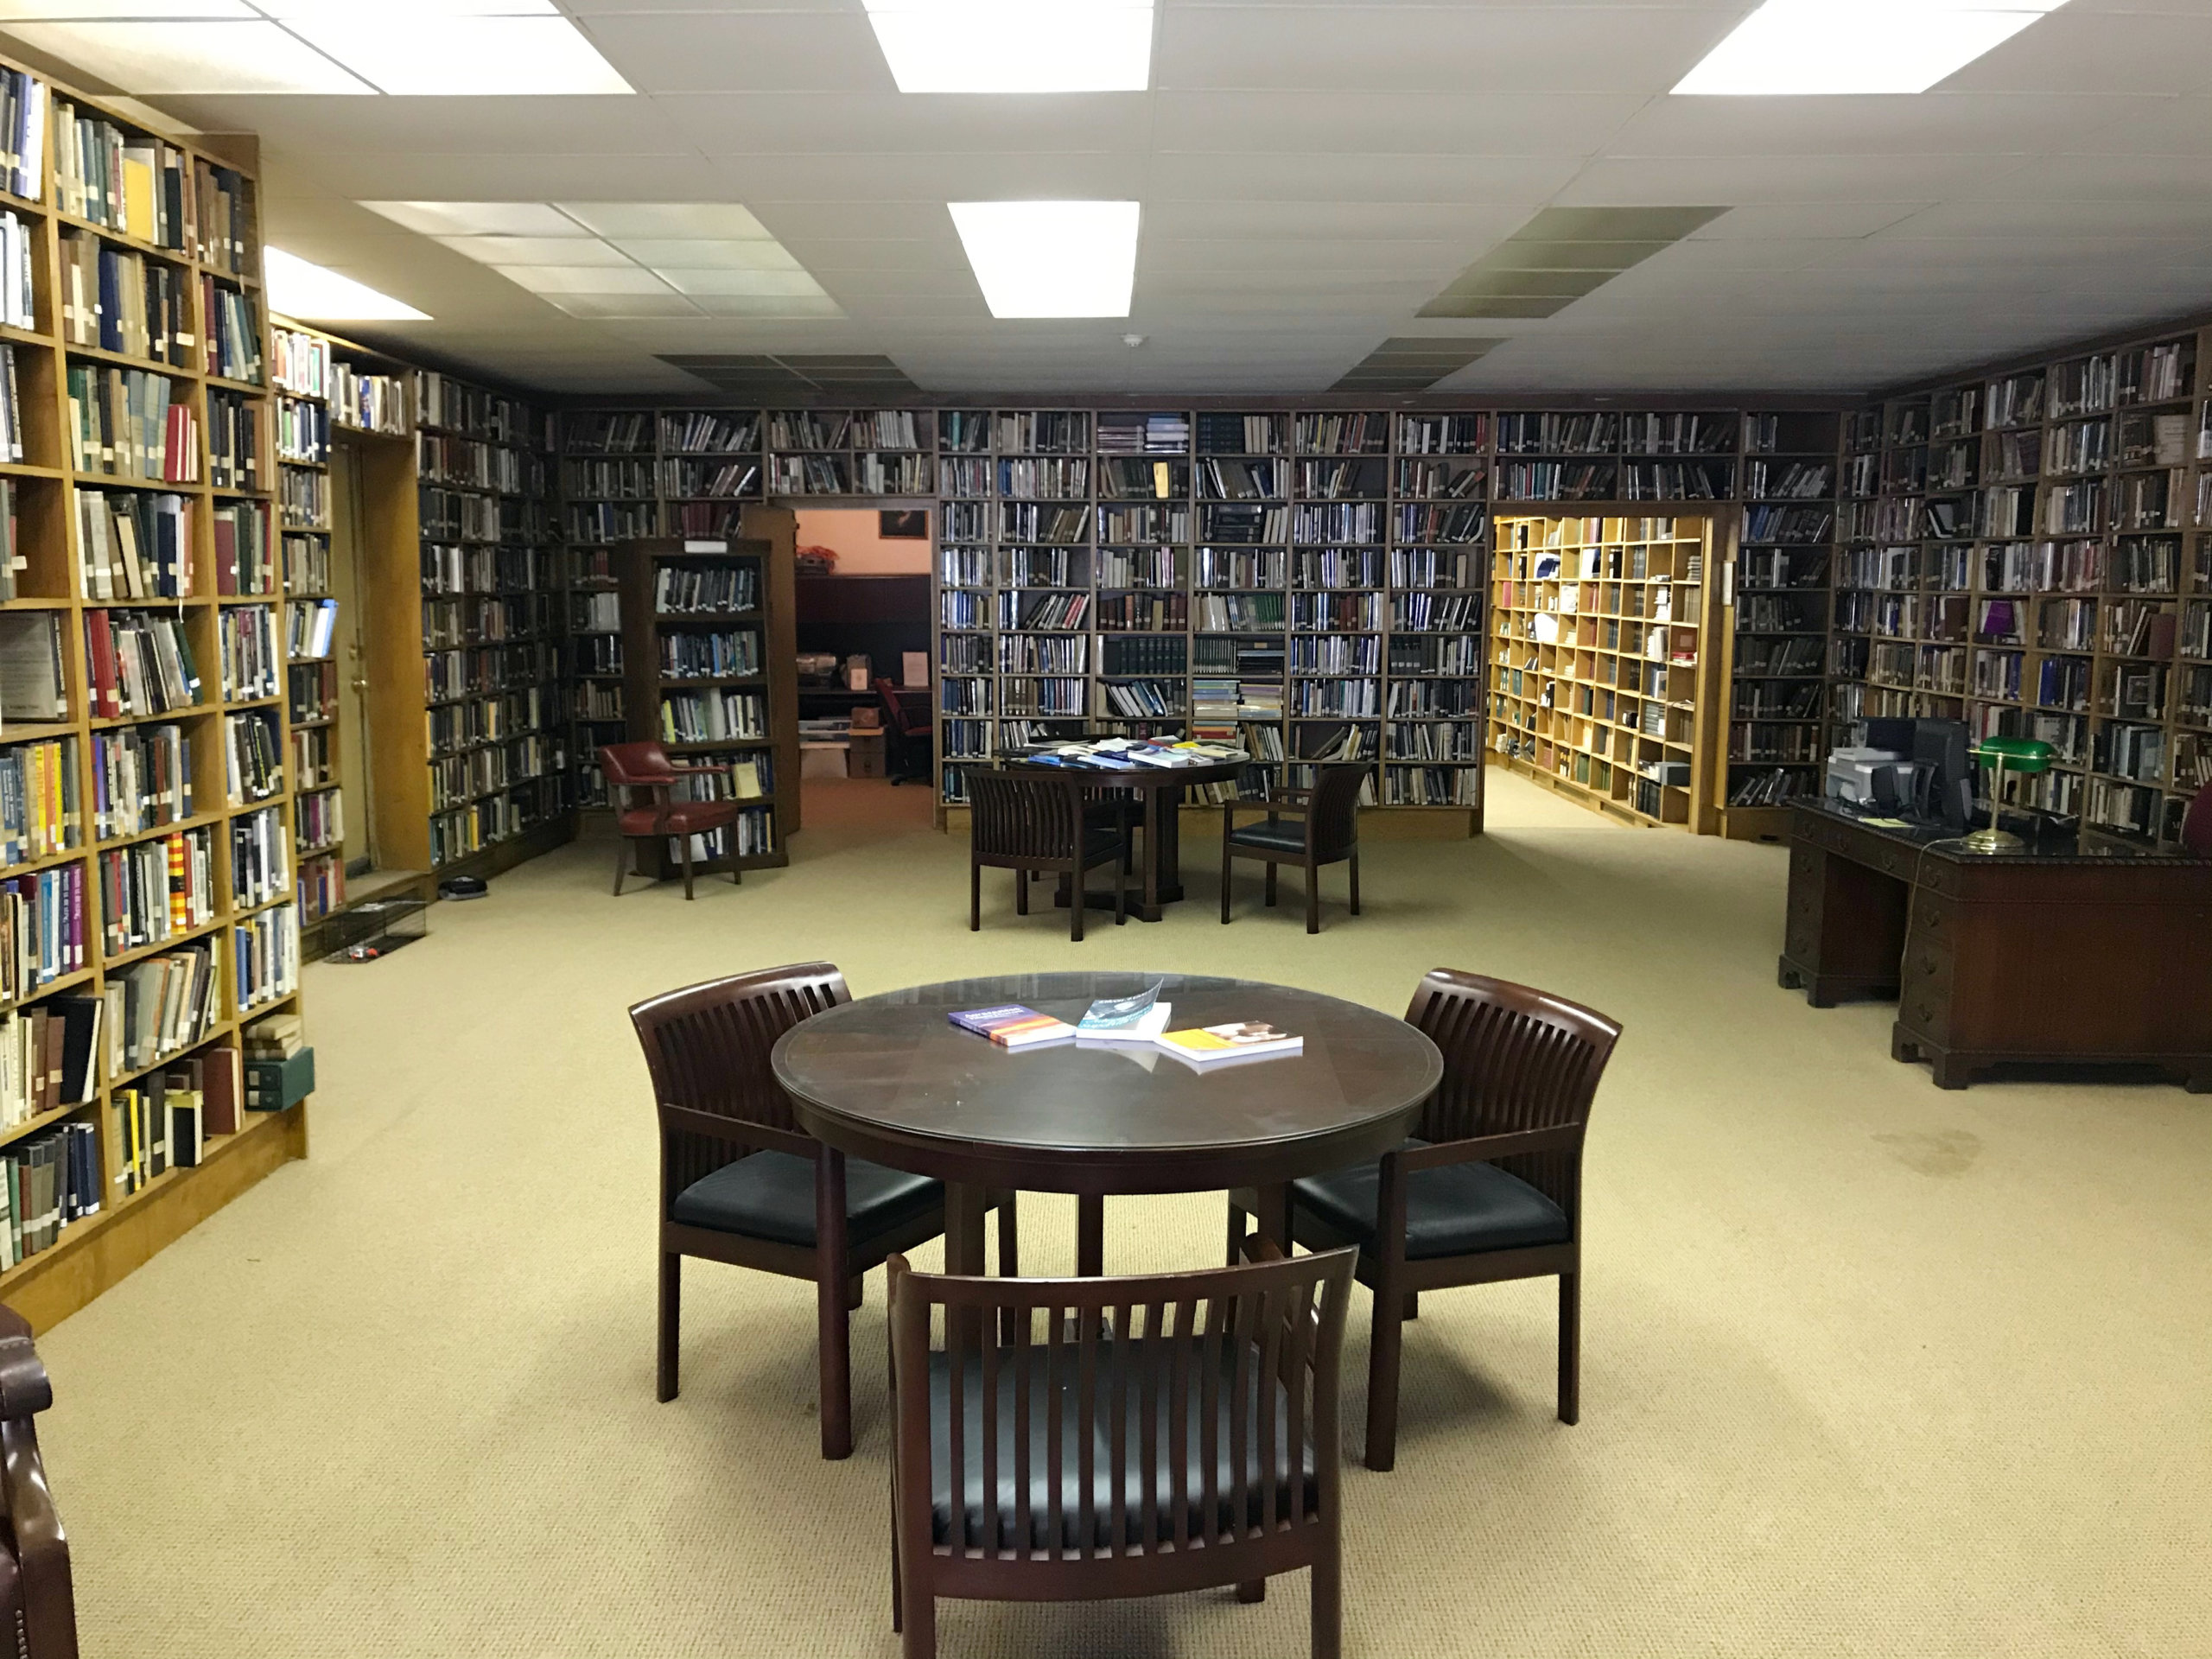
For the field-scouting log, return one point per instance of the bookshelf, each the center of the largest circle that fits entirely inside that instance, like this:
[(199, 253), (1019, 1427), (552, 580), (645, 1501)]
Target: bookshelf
[(2025, 549), (467, 701), (710, 670), (1608, 664), (148, 845)]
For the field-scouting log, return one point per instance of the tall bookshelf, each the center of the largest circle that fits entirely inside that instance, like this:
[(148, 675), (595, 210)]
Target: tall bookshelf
[(2026, 550), (88, 823), (1607, 665), (706, 644)]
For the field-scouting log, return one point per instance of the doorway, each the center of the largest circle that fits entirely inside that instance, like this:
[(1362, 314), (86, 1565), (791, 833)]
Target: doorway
[(863, 617)]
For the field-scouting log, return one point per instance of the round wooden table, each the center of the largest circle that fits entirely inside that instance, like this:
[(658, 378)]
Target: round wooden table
[(889, 1078), (1161, 788)]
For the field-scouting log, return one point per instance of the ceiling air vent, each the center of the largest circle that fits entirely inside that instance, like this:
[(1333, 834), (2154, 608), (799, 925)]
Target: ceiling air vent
[(1409, 363), (1562, 254), (801, 377)]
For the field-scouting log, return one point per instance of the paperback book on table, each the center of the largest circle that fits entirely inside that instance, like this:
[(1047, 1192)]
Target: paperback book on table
[(1139, 1018), (1210, 1045), (1012, 1026)]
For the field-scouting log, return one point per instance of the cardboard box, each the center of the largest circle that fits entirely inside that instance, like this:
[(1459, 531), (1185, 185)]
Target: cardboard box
[(867, 719), (864, 755)]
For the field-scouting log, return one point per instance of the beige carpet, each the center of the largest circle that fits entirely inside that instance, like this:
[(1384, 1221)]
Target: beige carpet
[(1870, 1368)]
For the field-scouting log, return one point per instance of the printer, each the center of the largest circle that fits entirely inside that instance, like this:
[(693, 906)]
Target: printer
[(1865, 777)]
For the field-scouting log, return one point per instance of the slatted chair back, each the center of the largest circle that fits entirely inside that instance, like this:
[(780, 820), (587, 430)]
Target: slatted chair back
[(1117, 1421), (706, 1048), (1027, 818), (1514, 1059), (1334, 812)]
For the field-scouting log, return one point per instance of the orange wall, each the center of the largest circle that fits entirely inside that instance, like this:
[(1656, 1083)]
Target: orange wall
[(860, 551)]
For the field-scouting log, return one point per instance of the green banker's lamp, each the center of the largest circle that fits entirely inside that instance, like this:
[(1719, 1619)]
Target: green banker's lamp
[(2025, 755)]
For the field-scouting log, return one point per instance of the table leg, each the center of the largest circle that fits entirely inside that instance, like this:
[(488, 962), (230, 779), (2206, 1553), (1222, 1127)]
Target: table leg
[(1091, 1237), (1171, 844), (963, 1228), (1152, 850), (1271, 1215)]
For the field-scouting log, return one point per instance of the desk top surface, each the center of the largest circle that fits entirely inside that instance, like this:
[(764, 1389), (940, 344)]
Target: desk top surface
[(1936, 841)]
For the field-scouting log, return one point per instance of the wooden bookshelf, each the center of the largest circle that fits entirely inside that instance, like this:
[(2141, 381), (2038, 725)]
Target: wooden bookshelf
[(2025, 549), (221, 465), (467, 705), (1608, 664), (706, 625)]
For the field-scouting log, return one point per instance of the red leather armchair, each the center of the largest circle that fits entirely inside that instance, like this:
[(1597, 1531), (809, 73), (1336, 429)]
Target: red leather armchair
[(634, 767)]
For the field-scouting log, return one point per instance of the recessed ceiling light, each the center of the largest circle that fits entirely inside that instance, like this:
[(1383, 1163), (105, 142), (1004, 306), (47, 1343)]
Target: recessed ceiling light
[(438, 54), (583, 279), (698, 256), (218, 55), (300, 288), (1051, 258), (687, 220), (479, 218), (534, 249), (738, 282), (1015, 45), (1801, 48)]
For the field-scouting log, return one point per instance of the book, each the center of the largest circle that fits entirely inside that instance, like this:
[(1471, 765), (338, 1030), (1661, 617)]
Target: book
[(1145, 1031), (1250, 1040), (1127, 1018), (1012, 1026)]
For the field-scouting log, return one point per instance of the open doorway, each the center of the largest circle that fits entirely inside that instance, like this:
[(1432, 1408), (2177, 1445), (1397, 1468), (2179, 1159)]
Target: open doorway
[(863, 618)]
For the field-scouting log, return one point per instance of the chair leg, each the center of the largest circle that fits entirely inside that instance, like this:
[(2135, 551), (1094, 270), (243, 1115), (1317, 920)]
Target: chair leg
[(1355, 881), (1121, 890), (1021, 892), (917, 1637), (1328, 1591), (1312, 898), (1252, 1590), (1570, 1347), (832, 1279), (1076, 899), (1235, 1234), (1271, 882), (621, 858), (685, 842), (974, 896), (1010, 1260), (1383, 1377), (671, 1308), (1227, 862), (1413, 1305)]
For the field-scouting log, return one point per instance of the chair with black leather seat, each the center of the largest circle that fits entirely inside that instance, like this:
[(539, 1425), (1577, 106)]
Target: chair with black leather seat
[(1042, 826), (1306, 827), (632, 767), (1084, 1439), (1489, 1189), (38, 1601), (741, 1182)]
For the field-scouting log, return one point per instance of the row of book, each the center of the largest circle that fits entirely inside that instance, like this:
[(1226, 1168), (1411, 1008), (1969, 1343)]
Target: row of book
[(155, 890), (49, 1058), (47, 1182), (41, 930), (134, 544), (251, 659), (39, 808), (120, 300), (129, 424), (141, 779), (261, 864), (138, 662)]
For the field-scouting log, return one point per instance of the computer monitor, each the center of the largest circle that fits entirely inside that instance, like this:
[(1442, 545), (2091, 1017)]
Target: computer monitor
[(1942, 748)]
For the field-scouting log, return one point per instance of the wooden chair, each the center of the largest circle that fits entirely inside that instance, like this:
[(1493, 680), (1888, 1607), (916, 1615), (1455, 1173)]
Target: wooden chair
[(740, 1182), (1489, 1189), (1324, 829), (1031, 825), (38, 1607), (646, 766), (1111, 1438)]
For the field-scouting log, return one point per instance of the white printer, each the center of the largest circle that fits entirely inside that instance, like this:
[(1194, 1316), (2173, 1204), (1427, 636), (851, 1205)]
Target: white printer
[(1870, 777)]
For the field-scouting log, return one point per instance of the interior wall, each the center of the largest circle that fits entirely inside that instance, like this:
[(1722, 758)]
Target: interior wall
[(860, 551)]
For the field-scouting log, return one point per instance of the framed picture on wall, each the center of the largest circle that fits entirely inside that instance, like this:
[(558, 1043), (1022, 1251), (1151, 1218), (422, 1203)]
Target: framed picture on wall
[(903, 527)]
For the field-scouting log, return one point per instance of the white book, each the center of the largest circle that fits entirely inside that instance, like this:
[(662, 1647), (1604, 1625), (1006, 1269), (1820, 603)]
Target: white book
[(1142, 1033)]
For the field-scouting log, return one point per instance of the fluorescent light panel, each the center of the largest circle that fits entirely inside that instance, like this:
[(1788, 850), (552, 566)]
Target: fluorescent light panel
[(1015, 45), (299, 287), (1051, 258), (1810, 47), (428, 49)]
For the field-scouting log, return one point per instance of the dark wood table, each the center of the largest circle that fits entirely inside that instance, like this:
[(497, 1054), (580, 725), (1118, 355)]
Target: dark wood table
[(889, 1078), (2055, 955), (1161, 876)]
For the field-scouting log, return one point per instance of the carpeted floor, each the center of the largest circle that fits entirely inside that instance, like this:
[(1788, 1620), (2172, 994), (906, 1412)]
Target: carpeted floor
[(1870, 1368)]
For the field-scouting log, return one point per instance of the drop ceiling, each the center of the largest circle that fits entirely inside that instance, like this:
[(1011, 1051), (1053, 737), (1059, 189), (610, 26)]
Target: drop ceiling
[(1312, 175)]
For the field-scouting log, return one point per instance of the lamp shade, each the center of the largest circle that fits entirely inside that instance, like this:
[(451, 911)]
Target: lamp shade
[(2024, 754)]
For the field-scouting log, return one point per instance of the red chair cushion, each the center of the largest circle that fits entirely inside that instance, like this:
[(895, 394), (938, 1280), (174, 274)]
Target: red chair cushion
[(684, 818)]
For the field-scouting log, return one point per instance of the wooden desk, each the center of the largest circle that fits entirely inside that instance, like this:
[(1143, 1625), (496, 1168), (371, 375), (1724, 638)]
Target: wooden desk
[(2052, 957)]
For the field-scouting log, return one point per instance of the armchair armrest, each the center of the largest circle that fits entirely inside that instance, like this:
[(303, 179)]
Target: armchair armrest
[(1484, 1148), (735, 1132), (49, 1605)]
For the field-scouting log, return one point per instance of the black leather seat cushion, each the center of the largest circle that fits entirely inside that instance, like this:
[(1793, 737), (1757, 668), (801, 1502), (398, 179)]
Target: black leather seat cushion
[(1103, 1480), (1100, 844), (1459, 1210), (1284, 835), (771, 1195)]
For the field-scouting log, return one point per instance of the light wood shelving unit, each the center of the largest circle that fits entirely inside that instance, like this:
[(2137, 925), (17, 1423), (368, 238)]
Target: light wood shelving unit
[(250, 927)]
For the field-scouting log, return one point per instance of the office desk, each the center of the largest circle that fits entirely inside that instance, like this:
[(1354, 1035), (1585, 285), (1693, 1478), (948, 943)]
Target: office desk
[(2050, 956)]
